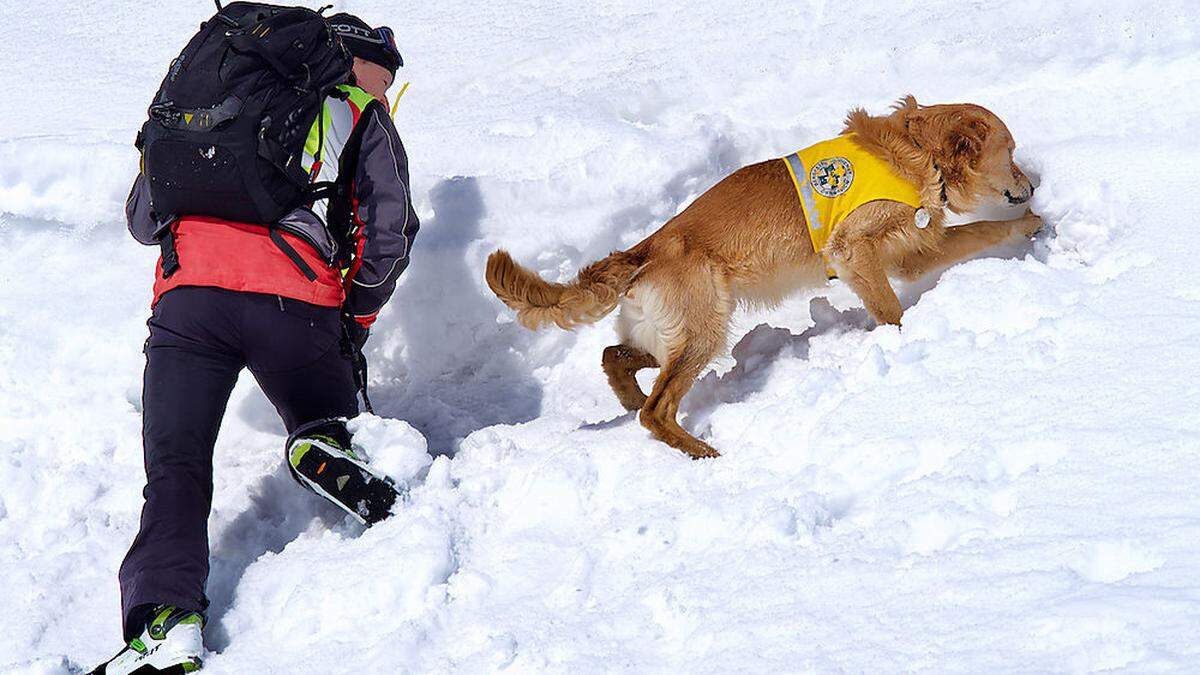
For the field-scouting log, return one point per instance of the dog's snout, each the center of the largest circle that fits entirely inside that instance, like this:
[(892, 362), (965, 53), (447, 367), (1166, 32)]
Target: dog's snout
[(1018, 198)]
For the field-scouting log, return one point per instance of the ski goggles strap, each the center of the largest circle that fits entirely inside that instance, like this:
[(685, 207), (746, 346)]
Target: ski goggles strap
[(373, 44), (388, 38)]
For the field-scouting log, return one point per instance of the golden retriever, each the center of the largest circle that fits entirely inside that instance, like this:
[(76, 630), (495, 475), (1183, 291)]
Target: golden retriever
[(745, 240)]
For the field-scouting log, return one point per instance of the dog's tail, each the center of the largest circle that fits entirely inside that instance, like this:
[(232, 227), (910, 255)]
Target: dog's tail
[(538, 302)]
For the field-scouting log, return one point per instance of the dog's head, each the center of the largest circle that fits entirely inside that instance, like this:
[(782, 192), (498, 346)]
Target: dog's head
[(972, 148)]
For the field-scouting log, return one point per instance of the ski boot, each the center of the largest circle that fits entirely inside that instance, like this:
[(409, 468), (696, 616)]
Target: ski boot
[(321, 458), (170, 643)]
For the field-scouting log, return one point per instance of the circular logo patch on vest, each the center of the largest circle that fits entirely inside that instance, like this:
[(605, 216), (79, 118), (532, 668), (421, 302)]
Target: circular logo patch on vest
[(831, 176)]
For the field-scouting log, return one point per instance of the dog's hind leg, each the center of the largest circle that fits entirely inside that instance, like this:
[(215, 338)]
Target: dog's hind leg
[(675, 380), (621, 364), (704, 319)]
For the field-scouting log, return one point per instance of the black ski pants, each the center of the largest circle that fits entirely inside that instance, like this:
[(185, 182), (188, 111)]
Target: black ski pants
[(200, 339)]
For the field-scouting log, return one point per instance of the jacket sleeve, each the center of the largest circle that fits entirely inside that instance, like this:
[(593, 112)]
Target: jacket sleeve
[(142, 224), (384, 214)]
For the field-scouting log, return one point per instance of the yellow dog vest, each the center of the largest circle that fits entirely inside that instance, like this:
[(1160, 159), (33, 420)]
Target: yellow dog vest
[(835, 177)]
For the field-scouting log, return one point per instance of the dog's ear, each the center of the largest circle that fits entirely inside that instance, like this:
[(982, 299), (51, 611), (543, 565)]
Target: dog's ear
[(965, 138)]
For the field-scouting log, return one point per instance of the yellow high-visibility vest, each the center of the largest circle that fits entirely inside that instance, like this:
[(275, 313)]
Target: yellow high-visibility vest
[(834, 177)]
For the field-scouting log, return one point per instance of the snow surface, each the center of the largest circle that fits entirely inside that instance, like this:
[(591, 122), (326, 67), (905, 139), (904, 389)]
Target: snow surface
[(1006, 484)]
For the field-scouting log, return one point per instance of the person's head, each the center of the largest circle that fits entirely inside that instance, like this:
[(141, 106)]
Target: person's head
[(376, 57), (372, 78)]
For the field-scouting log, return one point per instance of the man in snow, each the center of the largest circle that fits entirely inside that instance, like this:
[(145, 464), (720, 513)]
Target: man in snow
[(228, 296)]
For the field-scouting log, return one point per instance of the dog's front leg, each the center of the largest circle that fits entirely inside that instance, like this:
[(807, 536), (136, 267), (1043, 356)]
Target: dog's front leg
[(860, 265), (964, 241)]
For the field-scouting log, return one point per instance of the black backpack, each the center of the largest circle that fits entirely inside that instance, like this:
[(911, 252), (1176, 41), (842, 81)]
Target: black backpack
[(228, 126)]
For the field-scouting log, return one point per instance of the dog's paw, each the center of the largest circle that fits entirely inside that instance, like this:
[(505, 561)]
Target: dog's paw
[(1029, 225), (700, 450)]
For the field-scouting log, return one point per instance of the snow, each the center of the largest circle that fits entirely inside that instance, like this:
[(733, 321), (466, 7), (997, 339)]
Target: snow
[(1006, 484)]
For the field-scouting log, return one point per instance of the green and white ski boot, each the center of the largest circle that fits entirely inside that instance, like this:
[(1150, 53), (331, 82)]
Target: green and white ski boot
[(170, 643), (322, 459)]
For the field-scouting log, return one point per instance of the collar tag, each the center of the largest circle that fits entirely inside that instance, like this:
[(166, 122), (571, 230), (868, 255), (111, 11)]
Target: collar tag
[(921, 218)]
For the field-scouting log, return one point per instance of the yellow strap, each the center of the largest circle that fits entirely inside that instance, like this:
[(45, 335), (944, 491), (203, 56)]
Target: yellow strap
[(397, 101)]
